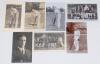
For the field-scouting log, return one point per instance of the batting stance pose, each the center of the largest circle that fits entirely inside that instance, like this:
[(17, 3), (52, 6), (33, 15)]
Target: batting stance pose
[(76, 38), (13, 18), (57, 17)]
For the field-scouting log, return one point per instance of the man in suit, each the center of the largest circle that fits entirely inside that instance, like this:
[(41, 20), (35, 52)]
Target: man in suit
[(20, 52)]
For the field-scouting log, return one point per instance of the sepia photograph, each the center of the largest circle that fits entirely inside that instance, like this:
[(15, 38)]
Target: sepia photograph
[(34, 15), (82, 11), (76, 35), (13, 16), (55, 17), (49, 41), (22, 47)]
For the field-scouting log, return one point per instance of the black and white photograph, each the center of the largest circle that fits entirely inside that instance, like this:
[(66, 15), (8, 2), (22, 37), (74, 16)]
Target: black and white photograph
[(22, 47), (13, 16), (49, 41), (82, 11), (55, 17), (34, 15), (76, 37)]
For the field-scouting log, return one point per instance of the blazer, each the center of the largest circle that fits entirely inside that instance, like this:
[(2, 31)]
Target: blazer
[(17, 56)]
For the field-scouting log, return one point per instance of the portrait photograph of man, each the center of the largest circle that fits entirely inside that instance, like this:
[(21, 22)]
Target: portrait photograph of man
[(76, 37), (13, 16), (22, 47), (55, 17), (34, 15)]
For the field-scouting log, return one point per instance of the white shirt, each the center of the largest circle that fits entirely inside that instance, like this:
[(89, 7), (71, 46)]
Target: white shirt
[(13, 11), (36, 13), (86, 8), (76, 34), (22, 50)]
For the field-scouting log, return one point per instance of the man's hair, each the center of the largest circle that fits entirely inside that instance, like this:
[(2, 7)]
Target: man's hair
[(19, 36)]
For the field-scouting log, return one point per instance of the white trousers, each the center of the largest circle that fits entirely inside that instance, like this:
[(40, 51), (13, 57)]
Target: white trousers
[(76, 44), (58, 20)]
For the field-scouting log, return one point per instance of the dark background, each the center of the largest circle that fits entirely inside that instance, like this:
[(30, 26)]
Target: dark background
[(28, 35)]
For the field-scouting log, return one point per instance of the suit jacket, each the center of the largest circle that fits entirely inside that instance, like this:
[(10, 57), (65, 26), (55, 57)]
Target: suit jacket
[(17, 56)]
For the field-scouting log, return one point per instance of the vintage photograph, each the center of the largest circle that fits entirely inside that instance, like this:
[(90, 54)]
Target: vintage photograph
[(76, 35), (34, 15), (13, 16), (82, 11), (55, 17), (22, 47), (49, 41)]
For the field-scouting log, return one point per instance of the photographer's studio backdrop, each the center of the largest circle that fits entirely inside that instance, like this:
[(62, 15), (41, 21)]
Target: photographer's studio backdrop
[(49, 31)]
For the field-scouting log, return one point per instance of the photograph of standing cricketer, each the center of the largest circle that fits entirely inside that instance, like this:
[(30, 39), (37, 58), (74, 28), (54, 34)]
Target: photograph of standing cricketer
[(34, 15), (76, 37), (22, 47), (49, 41), (55, 17), (82, 11), (13, 16)]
